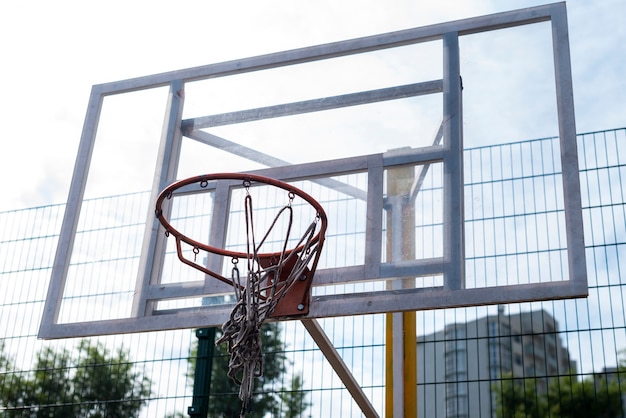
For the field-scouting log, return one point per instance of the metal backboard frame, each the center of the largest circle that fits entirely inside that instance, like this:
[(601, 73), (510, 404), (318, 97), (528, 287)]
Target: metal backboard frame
[(447, 152)]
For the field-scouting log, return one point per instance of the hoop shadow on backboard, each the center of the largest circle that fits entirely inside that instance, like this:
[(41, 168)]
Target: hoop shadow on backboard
[(399, 233)]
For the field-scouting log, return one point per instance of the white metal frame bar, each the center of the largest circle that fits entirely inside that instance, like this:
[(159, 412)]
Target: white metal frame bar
[(452, 294)]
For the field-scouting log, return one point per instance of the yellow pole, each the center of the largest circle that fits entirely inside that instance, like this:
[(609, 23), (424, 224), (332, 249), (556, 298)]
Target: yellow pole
[(399, 182), (410, 364)]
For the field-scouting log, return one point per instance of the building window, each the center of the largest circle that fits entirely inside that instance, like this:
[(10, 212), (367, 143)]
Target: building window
[(452, 345), (493, 328), (461, 362), (451, 407), (450, 363), (456, 362), (461, 389), (494, 353), (457, 407)]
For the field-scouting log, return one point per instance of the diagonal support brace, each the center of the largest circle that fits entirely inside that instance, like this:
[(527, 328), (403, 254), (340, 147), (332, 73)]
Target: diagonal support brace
[(337, 363)]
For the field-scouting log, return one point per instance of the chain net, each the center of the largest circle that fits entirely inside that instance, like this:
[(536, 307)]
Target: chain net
[(258, 296)]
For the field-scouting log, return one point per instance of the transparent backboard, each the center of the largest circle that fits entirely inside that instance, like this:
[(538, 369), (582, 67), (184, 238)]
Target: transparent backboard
[(408, 140)]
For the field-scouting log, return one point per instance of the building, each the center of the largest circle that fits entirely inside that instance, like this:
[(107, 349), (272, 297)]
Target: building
[(458, 365)]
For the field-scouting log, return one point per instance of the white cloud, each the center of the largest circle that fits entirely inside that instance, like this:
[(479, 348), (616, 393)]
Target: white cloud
[(54, 52)]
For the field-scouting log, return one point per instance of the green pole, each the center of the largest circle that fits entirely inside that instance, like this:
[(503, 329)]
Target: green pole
[(202, 374)]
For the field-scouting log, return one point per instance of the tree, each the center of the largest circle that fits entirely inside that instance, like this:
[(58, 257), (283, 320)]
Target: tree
[(11, 386), (49, 392), (518, 397), (599, 396), (294, 399), (107, 385), (224, 399), (588, 398), (96, 385), (224, 391)]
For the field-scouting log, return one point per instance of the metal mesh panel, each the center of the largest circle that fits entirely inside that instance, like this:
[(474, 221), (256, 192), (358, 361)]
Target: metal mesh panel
[(463, 353)]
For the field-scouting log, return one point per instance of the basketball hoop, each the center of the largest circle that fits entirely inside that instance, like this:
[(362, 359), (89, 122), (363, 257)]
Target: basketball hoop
[(278, 283)]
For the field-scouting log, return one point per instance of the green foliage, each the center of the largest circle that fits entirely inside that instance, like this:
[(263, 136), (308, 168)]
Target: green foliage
[(294, 401), (519, 398), (12, 387), (224, 400), (588, 398), (49, 392), (566, 397), (108, 383), (97, 384)]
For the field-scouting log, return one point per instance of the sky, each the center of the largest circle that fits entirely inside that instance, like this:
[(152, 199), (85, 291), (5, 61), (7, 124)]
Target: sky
[(54, 52)]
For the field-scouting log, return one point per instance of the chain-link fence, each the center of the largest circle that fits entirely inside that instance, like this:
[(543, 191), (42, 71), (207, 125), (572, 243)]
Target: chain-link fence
[(536, 359)]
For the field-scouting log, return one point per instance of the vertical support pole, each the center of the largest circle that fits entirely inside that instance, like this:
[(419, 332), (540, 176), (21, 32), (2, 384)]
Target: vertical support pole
[(577, 263), (69, 226), (153, 250), (454, 246), (410, 364), (202, 374), (401, 338)]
